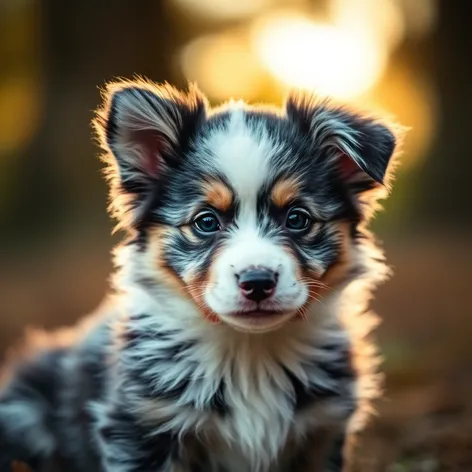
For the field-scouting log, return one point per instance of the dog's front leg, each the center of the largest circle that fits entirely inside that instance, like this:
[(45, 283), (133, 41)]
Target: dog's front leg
[(127, 446)]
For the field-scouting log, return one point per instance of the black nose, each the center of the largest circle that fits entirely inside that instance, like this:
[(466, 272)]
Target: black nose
[(257, 284)]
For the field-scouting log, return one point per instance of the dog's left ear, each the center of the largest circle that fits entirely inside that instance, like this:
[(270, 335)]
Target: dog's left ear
[(144, 129), (360, 147)]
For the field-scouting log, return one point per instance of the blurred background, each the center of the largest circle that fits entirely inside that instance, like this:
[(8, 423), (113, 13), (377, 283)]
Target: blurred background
[(411, 59)]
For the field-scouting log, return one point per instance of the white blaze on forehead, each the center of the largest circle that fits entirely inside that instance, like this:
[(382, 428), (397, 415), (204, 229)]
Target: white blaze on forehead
[(242, 154)]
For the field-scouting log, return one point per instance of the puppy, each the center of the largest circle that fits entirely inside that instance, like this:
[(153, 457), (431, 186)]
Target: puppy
[(236, 336)]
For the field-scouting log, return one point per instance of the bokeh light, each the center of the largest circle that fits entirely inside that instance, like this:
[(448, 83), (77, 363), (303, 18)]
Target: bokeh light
[(306, 54), (222, 65), (379, 21), (18, 104), (223, 9), (412, 101)]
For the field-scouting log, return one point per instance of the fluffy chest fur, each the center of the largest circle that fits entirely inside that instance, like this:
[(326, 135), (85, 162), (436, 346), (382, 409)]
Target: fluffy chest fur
[(244, 396)]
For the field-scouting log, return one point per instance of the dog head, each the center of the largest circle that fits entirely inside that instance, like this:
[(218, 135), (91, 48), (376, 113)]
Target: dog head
[(250, 212)]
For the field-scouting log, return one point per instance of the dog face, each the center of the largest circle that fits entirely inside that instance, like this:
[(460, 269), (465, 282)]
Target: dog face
[(251, 213)]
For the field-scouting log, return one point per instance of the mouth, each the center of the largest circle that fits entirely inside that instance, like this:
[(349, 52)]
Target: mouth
[(258, 313), (258, 321)]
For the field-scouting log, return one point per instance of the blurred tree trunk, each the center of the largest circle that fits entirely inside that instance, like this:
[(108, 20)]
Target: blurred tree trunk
[(444, 198)]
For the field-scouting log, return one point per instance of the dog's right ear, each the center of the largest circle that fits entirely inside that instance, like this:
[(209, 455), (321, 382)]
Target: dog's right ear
[(143, 127), (361, 147)]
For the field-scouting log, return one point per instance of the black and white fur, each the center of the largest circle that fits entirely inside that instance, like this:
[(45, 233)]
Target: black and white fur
[(179, 372)]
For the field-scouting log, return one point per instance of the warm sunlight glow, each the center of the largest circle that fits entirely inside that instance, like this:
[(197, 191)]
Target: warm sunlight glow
[(412, 100), (19, 113), (327, 58), (222, 65), (380, 21), (223, 9)]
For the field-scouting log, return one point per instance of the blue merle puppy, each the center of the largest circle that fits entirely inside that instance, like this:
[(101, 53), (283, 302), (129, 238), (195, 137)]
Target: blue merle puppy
[(236, 338)]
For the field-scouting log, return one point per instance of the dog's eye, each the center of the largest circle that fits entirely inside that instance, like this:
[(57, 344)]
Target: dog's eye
[(207, 222), (298, 219)]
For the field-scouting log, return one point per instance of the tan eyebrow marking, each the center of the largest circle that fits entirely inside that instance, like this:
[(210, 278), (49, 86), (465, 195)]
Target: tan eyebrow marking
[(284, 192), (218, 195)]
